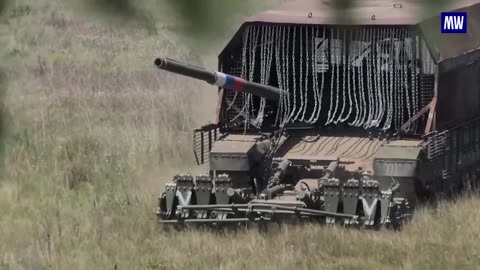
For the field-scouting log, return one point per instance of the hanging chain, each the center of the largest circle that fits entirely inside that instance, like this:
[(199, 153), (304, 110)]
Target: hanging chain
[(314, 75), (345, 80), (320, 95), (279, 73), (398, 107), (414, 73), (294, 76), (286, 58), (363, 95), (248, 72), (244, 64), (251, 71), (405, 75), (344, 55), (266, 52), (401, 89), (301, 89), (356, 92), (369, 80), (388, 121), (284, 100), (337, 71), (381, 78), (263, 62), (332, 76), (385, 73), (370, 74), (376, 75), (349, 76), (306, 87)]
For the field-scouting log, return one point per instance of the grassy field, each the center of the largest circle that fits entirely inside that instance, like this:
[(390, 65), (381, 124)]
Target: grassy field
[(93, 132)]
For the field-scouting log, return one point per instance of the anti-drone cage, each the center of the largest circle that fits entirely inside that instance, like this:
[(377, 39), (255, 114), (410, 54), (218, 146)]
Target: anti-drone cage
[(357, 77)]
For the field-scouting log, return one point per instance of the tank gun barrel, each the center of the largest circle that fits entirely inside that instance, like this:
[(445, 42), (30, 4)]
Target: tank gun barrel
[(220, 79)]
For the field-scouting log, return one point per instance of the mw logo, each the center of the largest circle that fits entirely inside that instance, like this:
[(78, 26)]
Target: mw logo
[(454, 22)]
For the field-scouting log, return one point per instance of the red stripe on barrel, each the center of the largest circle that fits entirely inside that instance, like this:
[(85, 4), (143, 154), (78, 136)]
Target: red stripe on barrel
[(239, 84)]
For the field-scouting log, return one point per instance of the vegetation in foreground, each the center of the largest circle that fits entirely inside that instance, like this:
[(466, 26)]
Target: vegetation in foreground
[(93, 133)]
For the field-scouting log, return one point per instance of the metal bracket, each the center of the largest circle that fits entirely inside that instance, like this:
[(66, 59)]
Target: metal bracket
[(430, 107), (171, 190), (350, 197), (331, 191), (203, 193), (184, 193), (370, 198), (222, 184), (385, 204)]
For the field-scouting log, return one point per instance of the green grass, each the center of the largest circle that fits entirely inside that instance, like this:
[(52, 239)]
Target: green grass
[(94, 132)]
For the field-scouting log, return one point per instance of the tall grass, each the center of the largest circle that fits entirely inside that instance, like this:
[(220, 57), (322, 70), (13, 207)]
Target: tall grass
[(93, 134), (93, 129)]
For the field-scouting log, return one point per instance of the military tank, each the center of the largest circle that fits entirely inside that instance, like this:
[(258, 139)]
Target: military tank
[(353, 122)]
